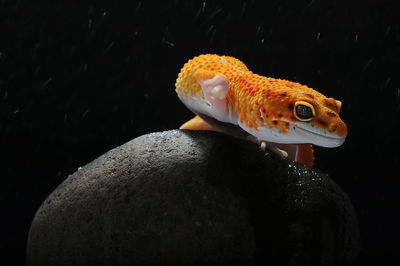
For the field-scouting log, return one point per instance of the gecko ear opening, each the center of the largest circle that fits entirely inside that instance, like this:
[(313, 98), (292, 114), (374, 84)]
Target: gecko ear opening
[(339, 105)]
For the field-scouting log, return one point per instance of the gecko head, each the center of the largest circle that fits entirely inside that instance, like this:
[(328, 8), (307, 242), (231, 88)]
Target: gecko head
[(319, 123), (301, 116)]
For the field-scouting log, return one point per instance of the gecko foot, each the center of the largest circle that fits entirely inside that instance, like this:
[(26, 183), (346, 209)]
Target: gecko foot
[(271, 147)]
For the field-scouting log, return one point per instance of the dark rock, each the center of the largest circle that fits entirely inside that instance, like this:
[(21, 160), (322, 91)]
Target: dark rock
[(194, 198)]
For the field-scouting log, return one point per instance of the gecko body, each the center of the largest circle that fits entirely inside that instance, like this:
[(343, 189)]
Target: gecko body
[(228, 97)]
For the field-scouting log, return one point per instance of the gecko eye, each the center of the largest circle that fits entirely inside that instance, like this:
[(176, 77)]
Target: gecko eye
[(303, 111)]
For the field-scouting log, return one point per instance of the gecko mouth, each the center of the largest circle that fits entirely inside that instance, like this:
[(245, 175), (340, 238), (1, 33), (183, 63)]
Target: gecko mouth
[(319, 138)]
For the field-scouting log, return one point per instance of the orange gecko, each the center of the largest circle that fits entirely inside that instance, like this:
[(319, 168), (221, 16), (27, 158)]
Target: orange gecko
[(285, 117)]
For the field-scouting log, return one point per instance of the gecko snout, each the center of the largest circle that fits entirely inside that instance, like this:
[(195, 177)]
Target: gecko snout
[(339, 128)]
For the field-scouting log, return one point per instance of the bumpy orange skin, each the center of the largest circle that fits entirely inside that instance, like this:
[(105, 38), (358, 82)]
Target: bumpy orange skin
[(249, 93)]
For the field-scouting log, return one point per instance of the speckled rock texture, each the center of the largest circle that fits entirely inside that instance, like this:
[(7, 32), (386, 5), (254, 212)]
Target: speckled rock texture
[(194, 198)]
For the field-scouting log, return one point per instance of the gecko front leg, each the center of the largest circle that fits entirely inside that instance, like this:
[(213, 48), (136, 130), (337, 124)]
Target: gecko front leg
[(266, 145), (215, 89)]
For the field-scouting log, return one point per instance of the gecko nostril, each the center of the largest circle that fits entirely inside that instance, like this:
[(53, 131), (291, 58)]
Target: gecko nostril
[(339, 129)]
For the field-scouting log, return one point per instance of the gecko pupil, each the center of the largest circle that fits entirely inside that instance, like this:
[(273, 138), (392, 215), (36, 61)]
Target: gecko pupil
[(304, 112)]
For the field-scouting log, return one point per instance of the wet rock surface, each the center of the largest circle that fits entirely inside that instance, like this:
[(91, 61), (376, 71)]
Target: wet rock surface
[(194, 198)]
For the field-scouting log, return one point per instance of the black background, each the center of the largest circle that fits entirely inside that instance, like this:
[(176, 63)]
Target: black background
[(80, 78)]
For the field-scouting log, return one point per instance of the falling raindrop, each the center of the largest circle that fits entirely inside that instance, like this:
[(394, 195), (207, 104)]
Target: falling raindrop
[(258, 30), (213, 14), (46, 83), (310, 4), (210, 29), (367, 64), (388, 30), (109, 47), (138, 6), (388, 79), (170, 43), (212, 35), (243, 9), (85, 113)]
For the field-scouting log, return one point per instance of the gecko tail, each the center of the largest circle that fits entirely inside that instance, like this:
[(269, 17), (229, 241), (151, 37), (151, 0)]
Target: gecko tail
[(305, 154), (196, 123), (302, 153)]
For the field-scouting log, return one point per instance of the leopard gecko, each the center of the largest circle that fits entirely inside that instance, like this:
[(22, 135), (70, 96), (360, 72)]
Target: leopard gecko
[(285, 117)]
